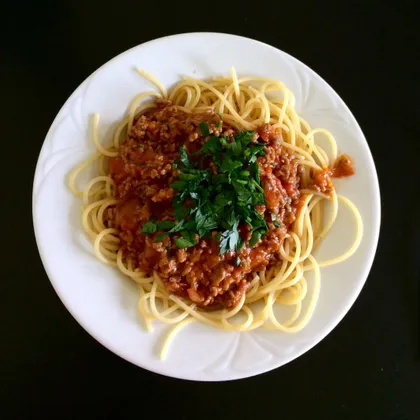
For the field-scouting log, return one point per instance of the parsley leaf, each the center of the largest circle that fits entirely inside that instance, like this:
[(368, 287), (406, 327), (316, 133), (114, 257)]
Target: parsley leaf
[(180, 225), (240, 244), (212, 145), (186, 241), (205, 221), (179, 209), (230, 165), (183, 243), (275, 220), (204, 129), (189, 177), (178, 185), (220, 199), (235, 147), (244, 194), (256, 169), (256, 236), (183, 157), (223, 199), (149, 227), (228, 241), (161, 236), (165, 225)]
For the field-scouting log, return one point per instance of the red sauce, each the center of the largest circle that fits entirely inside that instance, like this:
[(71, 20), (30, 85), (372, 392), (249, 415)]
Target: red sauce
[(143, 173), (342, 167)]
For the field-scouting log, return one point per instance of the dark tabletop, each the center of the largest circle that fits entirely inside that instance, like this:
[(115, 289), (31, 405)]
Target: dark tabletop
[(367, 368)]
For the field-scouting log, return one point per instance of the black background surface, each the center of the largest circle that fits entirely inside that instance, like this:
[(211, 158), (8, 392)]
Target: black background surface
[(367, 368)]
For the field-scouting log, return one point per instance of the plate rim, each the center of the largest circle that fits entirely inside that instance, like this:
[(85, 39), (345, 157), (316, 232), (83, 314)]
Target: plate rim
[(344, 309)]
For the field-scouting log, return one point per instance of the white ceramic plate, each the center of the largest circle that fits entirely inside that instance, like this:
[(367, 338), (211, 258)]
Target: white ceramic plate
[(103, 301)]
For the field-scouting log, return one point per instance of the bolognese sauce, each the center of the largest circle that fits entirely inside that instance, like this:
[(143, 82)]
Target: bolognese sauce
[(342, 167), (145, 172)]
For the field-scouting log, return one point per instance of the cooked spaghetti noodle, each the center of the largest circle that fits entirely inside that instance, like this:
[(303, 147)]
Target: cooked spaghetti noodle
[(250, 103)]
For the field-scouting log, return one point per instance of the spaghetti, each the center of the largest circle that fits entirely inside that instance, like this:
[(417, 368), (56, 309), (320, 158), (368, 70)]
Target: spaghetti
[(240, 104)]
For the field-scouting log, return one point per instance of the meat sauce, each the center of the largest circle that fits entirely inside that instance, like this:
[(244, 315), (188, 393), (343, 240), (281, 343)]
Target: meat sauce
[(343, 167), (143, 173)]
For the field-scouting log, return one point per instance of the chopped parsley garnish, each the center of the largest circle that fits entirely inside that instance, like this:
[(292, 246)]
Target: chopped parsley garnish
[(183, 243), (186, 241), (149, 227), (274, 220), (204, 129), (206, 202), (152, 226), (165, 225)]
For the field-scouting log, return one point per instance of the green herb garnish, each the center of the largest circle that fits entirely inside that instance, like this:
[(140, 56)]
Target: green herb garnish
[(186, 241), (204, 129), (275, 220), (183, 243), (207, 202), (161, 236), (165, 225), (149, 227)]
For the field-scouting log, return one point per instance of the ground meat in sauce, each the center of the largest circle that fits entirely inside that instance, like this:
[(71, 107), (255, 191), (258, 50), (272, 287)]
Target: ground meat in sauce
[(143, 173), (342, 167)]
